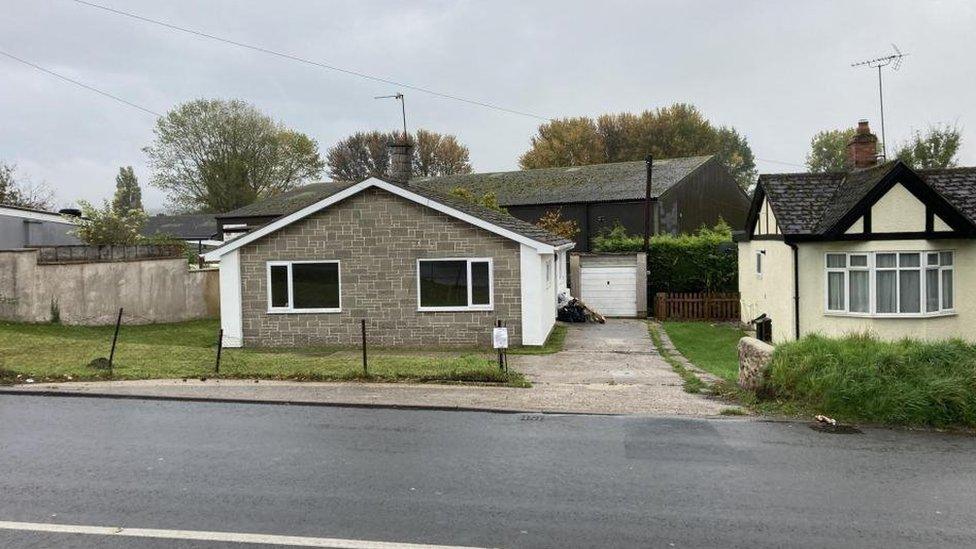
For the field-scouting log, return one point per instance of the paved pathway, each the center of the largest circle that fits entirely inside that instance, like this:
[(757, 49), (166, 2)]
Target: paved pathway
[(608, 368)]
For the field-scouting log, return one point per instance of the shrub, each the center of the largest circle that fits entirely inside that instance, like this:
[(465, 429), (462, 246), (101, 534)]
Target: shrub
[(905, 382), (706, 261)]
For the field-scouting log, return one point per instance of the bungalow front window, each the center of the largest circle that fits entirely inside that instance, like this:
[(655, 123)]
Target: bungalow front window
[(304, 287), (890, 283), (454, 284)]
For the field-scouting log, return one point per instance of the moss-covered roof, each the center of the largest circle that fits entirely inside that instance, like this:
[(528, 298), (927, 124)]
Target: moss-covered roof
[(593, 183)]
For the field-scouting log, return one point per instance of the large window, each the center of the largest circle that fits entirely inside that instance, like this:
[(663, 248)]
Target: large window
[(454, 284), (304, 287), (890, 283)]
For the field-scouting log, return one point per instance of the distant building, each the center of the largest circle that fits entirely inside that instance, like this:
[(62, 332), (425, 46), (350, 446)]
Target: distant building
[(27, 228)]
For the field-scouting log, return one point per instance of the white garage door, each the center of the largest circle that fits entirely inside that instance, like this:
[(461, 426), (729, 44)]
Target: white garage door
[(610, 291)]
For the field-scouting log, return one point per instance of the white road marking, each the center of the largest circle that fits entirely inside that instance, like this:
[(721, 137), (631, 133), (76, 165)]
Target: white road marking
[(234, 537)]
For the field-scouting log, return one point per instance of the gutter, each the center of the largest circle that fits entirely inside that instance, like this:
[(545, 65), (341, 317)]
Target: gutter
[(796, 290)]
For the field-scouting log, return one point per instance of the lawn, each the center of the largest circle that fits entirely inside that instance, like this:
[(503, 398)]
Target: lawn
[(711, 347), (52, 352)]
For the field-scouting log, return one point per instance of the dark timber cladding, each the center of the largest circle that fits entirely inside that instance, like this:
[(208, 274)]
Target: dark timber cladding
[(686, 193)]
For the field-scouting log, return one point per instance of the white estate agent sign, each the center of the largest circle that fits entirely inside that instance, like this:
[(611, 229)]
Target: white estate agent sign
[(499, 338)]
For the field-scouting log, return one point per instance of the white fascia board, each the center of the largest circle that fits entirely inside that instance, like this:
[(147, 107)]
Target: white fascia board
[(214, 255), (36, 216)]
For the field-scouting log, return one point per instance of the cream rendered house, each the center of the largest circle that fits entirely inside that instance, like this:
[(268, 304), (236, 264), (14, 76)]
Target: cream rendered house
[(882, 249)]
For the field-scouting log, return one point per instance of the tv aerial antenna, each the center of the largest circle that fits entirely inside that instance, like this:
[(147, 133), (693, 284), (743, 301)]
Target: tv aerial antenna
[(403, 108), (894, 61)]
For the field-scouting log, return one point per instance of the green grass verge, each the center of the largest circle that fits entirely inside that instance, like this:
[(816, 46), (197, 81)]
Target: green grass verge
[(858, 377), (51, 352), (554, 343), (692, 383), (711, 347)]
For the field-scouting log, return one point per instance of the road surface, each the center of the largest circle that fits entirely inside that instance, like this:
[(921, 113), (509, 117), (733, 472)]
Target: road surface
[(187, 470)]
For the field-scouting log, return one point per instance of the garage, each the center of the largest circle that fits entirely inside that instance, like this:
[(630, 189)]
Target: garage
[(611, 284)]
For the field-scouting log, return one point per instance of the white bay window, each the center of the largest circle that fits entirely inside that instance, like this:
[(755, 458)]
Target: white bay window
[(889, 283)]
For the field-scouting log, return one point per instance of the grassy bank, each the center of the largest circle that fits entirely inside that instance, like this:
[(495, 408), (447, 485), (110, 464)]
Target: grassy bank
[(50, 352), (860, 378), (711, 347)]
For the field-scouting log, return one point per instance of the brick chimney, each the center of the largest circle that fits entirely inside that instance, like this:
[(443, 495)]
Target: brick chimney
[(862, 150), (401, 158)]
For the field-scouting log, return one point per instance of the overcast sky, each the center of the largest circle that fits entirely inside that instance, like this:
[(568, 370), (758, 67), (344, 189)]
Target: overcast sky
[(777, 71)]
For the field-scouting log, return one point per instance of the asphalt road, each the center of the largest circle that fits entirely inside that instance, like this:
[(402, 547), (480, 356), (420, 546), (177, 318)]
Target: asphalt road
[(473, 479)]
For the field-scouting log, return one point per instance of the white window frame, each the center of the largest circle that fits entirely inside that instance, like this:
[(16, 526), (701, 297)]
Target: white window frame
[(760, 263), (490, 306), (873, 281), (291, 297)]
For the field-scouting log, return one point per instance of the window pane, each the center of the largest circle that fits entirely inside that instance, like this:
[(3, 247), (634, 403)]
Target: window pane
[(933, 259), (444, 283), (945, 258), (279, 285), (859, 292), (947, 289), (759, 262), (931, 290), (886, 292), (885, 260), (908, 260), (836, 261), (835, 291), (315, 285), (909, 291), (859, 261), (480, 283)]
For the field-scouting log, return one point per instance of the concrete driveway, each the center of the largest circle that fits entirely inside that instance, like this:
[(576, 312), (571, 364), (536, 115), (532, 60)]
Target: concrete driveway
[(614, 368), (604, 368)]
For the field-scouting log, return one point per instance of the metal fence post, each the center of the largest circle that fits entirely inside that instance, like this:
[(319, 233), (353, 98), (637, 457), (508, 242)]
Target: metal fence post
[(365, 366), (220, 346), (115, 338)]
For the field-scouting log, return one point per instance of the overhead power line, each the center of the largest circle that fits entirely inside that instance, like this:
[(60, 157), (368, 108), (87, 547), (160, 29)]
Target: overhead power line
[(309, 61), (81, 84)]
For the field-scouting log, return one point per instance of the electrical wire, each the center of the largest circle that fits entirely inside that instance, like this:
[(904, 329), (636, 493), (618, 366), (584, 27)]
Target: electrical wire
[(81, 84), (306, 61)]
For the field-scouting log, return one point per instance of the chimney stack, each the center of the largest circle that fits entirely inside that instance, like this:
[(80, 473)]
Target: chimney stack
[(401, 158), (862, 150)]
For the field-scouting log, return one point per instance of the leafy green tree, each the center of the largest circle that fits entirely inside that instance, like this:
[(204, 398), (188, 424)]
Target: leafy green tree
[(366, 154), (212, 155), (21, 192), (936, 148), (669, 132), (107, 225), (128, 195), (828, 151), (553, 222)]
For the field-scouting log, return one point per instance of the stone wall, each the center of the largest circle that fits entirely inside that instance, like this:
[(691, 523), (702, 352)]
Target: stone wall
[(91, 293), (754, 357), (377, 238)]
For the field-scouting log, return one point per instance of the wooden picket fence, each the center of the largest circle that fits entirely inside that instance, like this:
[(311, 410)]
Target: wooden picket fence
[(720, 306)]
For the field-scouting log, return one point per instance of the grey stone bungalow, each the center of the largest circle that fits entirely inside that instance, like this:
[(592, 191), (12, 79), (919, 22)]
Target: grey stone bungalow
[(881, 249), (422, 268)]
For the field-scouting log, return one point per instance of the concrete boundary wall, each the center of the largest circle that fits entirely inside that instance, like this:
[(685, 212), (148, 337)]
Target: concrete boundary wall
[(91, 293)]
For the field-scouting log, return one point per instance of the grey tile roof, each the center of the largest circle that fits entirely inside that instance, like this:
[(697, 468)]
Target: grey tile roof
[(812, 203), (956, 185), (593, 183), (309, 194), (187, 227)]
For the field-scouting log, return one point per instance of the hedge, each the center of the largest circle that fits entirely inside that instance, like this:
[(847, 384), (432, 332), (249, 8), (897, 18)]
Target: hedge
[(706, 261)]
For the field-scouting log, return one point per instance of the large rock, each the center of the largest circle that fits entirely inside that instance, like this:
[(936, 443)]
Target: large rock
[(754, 357)]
